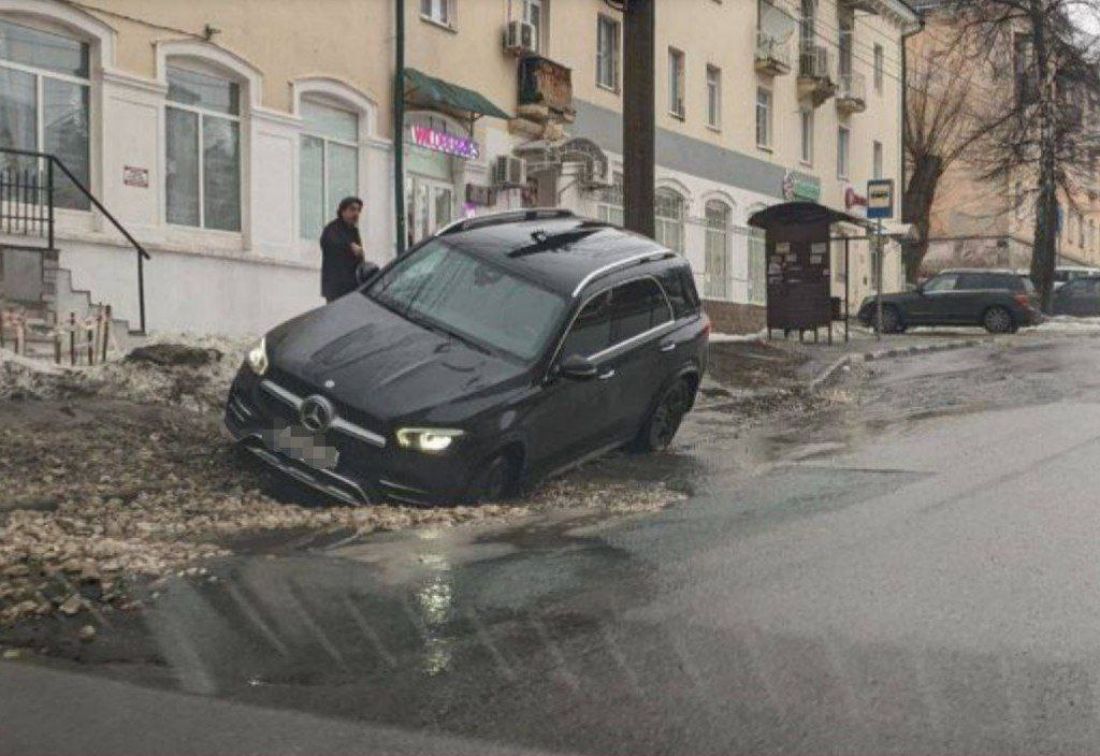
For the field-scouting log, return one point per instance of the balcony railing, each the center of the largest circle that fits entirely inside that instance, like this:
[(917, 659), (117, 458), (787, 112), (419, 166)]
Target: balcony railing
[(772, 55), (851, 95)]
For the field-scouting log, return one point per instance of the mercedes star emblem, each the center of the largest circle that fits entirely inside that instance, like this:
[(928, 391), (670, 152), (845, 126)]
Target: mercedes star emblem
[(316, 413)]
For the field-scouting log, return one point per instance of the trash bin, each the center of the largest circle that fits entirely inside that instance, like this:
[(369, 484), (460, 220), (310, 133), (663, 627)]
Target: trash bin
[(837, 314)]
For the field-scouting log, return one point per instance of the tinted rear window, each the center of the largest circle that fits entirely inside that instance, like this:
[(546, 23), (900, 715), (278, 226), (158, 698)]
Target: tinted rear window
[(636, 307), (680, 289)]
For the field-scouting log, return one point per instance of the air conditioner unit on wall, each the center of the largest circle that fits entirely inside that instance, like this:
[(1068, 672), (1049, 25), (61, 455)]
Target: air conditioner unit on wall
[(519, 37), (509, 171)]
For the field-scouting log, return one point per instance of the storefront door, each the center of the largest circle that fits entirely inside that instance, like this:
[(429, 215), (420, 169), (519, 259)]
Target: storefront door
[(429, 204)]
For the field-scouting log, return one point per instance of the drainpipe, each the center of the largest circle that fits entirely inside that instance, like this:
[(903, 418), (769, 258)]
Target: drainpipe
[(399, 127), (905, 96)]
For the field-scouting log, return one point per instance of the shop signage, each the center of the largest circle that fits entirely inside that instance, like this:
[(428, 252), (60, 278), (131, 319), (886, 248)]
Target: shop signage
[(441, 141), (880, 198), (801, 186), (853, 199), (138, 177)]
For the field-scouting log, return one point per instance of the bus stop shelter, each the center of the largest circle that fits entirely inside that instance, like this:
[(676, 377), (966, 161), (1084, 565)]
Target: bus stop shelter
[(798, 266)]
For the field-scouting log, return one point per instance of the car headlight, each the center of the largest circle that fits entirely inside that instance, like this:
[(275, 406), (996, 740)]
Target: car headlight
[(257, 358), (431, 440)]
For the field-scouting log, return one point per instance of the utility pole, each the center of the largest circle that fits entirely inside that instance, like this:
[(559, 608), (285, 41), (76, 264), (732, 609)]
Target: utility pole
[(399, 126), (639, 114)]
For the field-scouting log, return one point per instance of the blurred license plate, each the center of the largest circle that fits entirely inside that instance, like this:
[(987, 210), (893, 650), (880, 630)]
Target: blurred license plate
[(303, 446)]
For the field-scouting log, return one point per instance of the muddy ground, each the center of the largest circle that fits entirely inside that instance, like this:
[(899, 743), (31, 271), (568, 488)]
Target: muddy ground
[(117, 478)]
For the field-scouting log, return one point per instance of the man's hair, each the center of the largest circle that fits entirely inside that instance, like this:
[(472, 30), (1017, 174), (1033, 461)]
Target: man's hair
[(347, 202)]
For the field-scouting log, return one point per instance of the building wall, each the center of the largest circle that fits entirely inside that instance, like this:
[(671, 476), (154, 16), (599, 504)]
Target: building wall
[(982, 221), (279, 50)]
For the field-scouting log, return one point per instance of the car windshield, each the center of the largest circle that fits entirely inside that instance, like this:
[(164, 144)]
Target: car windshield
[(444, 288)]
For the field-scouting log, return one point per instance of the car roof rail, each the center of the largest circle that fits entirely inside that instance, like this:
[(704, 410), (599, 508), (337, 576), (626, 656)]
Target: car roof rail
[(652, 255), (508, 216)]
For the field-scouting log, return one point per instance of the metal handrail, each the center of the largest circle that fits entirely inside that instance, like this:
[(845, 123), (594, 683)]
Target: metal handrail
[(53, 160)]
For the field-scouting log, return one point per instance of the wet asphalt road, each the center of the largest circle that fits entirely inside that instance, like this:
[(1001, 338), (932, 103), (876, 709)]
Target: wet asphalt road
[(914, 568)]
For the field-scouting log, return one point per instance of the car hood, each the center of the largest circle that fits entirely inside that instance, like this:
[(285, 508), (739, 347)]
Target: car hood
[(381, 363)]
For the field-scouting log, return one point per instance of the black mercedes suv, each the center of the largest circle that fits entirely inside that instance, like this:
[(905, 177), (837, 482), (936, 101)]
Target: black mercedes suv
[(502, 349)]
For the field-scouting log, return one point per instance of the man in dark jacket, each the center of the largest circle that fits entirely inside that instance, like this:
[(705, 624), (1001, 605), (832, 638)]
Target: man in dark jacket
[(341, 250)]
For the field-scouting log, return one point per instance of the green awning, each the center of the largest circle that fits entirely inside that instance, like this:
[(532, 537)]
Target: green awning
[(428, 90)]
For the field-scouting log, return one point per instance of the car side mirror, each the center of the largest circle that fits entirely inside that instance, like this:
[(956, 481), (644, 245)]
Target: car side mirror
[(577, 367)]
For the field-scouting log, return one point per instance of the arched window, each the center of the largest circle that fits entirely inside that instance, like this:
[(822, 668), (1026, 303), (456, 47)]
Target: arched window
[(757, 262), (669, 218), (329, 162), (44, 102), (716, 283), (203, 147)]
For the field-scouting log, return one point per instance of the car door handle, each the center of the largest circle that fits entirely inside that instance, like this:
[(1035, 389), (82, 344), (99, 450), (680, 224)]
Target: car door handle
[(607, 375), (668, 346)]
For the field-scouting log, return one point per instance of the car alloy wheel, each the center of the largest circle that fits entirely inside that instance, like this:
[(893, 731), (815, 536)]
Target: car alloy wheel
[(667, 417), (997, 320)]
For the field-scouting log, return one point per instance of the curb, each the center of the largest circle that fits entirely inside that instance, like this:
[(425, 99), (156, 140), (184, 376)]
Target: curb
[(884, 354)]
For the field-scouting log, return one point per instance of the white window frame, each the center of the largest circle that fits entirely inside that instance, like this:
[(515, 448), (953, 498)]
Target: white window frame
[(602, 21), (39, 75), (879, 64), (767, 105), (677, 66), (843, 151), (440, 12), (608, 209), (714, 97), (806, 136), (328, 203), (717, 244), (670, 225), (877, 157), (188, 65)]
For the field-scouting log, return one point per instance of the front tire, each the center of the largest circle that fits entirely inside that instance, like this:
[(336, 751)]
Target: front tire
[(891, 320), (998, 320), (496, 481), (664, 421)]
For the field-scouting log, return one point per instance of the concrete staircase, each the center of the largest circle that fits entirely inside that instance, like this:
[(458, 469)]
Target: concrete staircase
[(50, 310)]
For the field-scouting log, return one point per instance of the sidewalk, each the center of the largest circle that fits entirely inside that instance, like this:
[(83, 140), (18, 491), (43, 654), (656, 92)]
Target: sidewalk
[(743, 366)]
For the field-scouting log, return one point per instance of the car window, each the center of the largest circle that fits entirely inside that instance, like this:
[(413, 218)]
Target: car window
[(681, 291), (447, 289), (984, 281), (591, 331), (636, 307), (945, 282)]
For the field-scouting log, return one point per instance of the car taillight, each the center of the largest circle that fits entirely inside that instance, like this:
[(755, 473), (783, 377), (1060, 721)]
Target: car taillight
[(1023, 300), (706, 326)]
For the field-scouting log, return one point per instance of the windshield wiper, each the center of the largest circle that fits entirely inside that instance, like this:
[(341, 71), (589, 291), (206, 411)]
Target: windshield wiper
[(437, 328)]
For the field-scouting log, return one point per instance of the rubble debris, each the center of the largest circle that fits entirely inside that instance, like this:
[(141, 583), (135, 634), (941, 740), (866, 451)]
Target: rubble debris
[(87, 633)]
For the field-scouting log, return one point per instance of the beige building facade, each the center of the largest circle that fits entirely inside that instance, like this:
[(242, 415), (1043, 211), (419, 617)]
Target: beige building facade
[(223, 134), (981, 222)]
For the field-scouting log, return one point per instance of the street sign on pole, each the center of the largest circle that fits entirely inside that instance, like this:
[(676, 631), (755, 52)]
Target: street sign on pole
[(880, 204), (880, 198)]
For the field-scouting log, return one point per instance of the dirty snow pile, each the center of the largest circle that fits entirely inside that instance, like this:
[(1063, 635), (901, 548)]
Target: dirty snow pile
[(193, 372), (114, 475)]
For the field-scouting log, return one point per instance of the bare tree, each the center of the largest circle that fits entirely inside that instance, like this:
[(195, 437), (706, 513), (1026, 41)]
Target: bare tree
[(941, 127), (1039, 133)]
